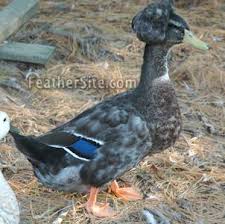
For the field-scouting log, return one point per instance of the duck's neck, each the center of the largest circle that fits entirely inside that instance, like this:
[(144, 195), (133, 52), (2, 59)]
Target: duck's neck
[(154, 68)]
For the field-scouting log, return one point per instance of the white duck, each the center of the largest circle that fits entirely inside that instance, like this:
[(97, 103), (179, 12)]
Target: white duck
[(9, 209)]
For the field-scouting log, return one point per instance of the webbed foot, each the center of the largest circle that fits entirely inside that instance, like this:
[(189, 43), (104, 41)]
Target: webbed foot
[(125, 193), (100, 210)]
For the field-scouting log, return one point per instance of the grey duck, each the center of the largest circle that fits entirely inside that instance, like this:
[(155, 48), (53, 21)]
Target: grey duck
[(105, 141)]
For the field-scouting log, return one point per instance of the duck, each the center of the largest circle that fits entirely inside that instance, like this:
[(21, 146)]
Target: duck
[(109, 139), (9, 208)]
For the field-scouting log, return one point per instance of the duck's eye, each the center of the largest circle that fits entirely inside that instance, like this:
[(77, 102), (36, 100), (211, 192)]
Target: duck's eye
[(4, 120)]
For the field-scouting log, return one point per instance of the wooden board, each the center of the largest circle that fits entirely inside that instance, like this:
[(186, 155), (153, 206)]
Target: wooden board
[(16, 14), (32, 53)]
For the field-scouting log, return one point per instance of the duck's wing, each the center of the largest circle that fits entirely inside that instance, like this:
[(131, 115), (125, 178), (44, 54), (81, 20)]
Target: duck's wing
[(126, 146), (122, 136)]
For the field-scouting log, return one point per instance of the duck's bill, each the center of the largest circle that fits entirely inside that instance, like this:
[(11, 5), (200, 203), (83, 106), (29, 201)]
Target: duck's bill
[(190, 38)]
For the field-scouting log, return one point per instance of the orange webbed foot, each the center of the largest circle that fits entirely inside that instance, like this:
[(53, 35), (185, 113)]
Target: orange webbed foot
[(98, 209), (125, 193)]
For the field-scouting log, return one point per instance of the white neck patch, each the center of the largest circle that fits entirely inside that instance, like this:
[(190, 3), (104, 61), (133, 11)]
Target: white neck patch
[(163, 78)]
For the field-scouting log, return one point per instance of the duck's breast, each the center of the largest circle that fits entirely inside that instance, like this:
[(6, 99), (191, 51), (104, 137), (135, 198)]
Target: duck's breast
[(162, 113)]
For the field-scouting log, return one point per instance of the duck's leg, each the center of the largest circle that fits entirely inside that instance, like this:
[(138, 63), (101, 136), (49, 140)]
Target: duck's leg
[(126, 193), (99, 210)]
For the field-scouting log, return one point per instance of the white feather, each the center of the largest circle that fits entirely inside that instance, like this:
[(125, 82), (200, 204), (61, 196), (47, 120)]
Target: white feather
[(70, 152), (9, 209), (88, 138)]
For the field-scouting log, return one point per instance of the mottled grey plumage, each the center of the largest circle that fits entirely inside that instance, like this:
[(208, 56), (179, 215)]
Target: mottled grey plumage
[(126, 127)]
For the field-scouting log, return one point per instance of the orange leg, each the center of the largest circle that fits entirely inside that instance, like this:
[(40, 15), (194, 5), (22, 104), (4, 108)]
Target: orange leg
[(126, 193), (99, 210)]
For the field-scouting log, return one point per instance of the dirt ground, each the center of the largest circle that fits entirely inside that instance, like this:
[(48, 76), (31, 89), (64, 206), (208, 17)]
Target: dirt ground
[(184, 184)]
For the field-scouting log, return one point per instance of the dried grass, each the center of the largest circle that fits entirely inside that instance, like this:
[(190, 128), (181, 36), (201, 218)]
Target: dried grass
[(186, 183)]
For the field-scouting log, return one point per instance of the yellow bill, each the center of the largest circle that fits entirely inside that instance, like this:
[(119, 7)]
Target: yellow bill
[(190, 38)]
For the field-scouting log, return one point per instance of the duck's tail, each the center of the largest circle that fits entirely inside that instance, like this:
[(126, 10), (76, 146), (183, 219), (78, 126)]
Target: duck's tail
[(27, 145), (33, 149)]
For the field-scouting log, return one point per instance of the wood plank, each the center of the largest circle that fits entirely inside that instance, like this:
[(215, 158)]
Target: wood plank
[(32, 53), (15, 15)]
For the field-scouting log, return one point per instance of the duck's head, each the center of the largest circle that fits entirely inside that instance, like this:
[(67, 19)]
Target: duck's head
[(159, 24), (4, 124)]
